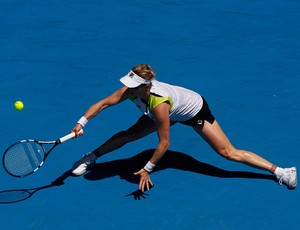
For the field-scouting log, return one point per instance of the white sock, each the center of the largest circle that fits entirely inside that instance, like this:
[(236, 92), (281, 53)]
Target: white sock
[(278, 171)]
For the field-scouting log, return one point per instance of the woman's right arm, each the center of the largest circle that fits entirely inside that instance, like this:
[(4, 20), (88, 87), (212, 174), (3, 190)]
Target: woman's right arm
[(113, 99)]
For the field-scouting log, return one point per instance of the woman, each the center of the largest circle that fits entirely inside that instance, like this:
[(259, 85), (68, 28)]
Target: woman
[(163, 105)]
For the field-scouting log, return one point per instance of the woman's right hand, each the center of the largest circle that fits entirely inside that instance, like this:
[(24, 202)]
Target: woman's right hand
[(77, 130)]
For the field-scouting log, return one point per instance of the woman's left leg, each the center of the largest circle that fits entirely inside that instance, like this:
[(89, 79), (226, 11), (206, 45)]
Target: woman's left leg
[(216, 138)]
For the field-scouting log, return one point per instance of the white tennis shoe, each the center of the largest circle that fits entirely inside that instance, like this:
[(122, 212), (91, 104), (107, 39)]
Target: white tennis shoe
[(86, 162), (288, 177)]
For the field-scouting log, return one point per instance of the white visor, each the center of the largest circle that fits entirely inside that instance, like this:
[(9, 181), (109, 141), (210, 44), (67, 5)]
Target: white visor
[(132, 80)]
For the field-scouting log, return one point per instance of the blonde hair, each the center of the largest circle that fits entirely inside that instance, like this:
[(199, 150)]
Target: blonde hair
[(144, 71)]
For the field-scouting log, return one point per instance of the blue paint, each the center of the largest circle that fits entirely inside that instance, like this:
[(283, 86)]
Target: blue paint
[(59, 57)]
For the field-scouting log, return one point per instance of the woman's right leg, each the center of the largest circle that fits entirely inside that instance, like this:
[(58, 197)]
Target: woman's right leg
[(141, 128)]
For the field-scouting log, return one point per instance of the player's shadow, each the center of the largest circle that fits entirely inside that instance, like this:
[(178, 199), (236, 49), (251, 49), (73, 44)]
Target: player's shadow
[(125, 168)]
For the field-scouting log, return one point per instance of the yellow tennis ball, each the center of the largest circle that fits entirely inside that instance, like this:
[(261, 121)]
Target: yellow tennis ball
[(19, 105)]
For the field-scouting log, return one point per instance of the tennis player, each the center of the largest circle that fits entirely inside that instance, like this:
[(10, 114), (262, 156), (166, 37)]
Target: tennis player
[(162, 106)]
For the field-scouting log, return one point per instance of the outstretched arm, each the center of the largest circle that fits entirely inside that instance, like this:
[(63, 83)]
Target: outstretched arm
[(161, 114), (113, 99)]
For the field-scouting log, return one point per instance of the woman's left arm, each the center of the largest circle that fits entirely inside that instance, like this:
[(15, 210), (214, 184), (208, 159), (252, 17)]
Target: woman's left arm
[(161, 114)]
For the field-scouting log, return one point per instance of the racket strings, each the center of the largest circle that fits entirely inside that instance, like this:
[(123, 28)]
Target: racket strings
[(24, 158)]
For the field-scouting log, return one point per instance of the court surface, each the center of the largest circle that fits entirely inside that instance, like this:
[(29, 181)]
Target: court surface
[(59, 57)]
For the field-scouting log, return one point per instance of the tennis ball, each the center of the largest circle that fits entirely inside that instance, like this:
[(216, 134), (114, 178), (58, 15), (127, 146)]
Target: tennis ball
[(19, 105)]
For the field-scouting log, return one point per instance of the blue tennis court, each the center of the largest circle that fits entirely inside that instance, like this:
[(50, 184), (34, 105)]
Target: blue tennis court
[(59, 57)]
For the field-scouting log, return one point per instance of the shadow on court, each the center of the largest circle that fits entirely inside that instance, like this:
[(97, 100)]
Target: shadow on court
[(125, 168), (17, 195)]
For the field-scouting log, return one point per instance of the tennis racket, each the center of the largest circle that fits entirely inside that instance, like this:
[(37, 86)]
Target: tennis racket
[(27, 156)]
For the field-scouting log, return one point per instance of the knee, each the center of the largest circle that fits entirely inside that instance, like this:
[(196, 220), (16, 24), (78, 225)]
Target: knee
[(128, 135), (125, 136), (131, 134), (230, 154)]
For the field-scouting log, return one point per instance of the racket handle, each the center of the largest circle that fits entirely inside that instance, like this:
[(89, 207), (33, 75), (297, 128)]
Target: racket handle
[(68, 137)]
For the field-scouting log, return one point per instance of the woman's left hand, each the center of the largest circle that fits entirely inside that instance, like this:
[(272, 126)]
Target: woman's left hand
[(144, 180)]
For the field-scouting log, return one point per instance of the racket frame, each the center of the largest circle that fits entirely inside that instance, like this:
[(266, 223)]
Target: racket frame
[(46, 153)]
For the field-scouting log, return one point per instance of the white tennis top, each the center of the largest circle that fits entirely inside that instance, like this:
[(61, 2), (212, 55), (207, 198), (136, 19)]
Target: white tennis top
[(184, 103)]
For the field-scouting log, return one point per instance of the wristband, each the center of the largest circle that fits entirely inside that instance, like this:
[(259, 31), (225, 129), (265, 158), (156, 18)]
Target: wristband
[(149, 167), (82, 121)]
